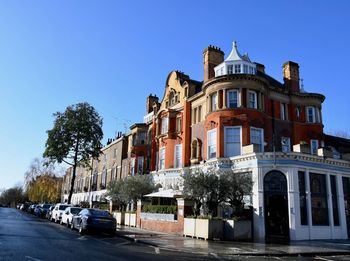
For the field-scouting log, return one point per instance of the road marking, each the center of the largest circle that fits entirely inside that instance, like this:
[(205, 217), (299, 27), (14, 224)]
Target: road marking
[(215, 255), (32, 258), (276, 257), (322, 258), (156, 249)]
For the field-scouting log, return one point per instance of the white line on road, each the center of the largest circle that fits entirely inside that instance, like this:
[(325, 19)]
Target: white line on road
[(32, 258), (322, 258), (276, 257), (156, 249), (215, 255)]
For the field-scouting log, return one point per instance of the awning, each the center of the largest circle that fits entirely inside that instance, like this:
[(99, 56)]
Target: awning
[(167, 193)]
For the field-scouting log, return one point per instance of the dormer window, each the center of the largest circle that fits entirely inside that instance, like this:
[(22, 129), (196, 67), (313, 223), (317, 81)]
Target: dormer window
[(235, 63), (237, 68), (245, 68)]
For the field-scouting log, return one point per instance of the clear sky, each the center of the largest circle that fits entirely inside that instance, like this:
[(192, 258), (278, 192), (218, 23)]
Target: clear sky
[(113, 54)]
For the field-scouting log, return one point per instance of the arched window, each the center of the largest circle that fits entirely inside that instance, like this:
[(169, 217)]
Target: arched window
[(196, 151)]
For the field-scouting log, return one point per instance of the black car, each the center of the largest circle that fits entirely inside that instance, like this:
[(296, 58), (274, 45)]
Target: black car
[(91, 219), (43, 210)]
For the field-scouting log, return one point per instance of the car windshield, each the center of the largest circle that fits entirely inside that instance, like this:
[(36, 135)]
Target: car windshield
[(46, 206), (63, 207), (99, 213), (75, 210)]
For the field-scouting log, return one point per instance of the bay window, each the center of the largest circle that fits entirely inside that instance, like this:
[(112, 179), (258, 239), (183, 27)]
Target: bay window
[(232, 141), (162, 158), (213, 101), (257, 137), (233, 99), (164, 125), (178, 156), (252, 100), (211, 144)]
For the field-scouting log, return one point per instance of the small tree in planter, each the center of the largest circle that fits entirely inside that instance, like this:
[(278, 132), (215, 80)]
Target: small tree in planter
[(207, 190), (115, 190), (237, 185), (130, 189)]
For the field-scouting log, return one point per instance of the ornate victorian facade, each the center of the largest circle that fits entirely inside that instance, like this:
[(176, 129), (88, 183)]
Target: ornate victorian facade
[(242, 119)]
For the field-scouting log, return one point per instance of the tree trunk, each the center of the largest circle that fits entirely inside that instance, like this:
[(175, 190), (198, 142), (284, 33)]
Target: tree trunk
[(74, 171), (72, 184)]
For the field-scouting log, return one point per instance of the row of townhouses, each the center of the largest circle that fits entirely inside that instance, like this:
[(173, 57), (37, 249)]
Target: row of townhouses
[(239, 118)]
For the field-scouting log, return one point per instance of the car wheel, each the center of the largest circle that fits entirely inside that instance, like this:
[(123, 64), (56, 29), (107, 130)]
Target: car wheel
[(72, 226), (81, 229)]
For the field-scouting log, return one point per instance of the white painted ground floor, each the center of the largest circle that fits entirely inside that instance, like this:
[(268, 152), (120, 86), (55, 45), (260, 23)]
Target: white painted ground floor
[(295, 196)]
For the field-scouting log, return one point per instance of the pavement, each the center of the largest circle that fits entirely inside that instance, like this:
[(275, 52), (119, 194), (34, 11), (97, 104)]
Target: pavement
[(233, 248)]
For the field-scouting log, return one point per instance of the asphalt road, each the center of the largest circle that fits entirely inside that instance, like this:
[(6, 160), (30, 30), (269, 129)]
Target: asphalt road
[(26, 237)]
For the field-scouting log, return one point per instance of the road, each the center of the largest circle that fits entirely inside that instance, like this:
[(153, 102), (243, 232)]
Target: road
[(26, 237)]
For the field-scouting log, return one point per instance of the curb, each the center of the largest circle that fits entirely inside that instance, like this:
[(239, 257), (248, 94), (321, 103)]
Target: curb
[(135, 240), (303, 254)]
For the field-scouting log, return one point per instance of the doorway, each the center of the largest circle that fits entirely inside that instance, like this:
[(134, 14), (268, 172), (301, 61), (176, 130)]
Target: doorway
[(276, 206)]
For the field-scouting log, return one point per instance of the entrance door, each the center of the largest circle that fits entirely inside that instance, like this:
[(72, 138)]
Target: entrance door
[(276, 206), (346, 191)]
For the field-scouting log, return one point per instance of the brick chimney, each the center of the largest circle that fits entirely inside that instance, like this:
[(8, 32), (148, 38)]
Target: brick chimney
[(149, 102), (212, 56), (291, 76), (260, 67)]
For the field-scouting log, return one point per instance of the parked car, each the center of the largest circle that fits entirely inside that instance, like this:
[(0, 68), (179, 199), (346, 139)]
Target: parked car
[(24, 206), (57, 212), (49, 212), (90, 219), (37, 210), (68, 215), (42, 210), (31, 208)]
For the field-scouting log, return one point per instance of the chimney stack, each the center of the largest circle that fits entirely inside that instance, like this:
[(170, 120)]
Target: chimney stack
[(151, 99), (260, 67), (291, 76), (212, 56)]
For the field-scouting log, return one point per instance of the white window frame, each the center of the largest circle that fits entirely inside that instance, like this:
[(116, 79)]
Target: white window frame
[(313, 114), (314, 145), (178, 160), (164, 125), (245, 68), (238, 68), (211, 145), (228, 98), (214, 101), (240, 139), (285, 144), (262, 137), (161, 158), (255, 100), (230, 69)]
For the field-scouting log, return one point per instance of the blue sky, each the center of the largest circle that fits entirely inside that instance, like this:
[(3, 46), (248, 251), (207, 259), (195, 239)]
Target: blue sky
[(112, 54)]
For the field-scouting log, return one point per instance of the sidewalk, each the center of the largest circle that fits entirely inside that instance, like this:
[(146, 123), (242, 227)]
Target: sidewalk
[(227, 248)]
